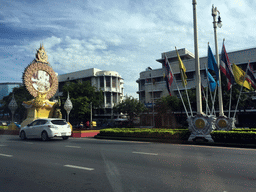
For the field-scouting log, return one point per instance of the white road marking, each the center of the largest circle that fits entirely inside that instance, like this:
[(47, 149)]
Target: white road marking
[(5, 155), (143, 153), (78, 167), (3, 145), (78, 147)]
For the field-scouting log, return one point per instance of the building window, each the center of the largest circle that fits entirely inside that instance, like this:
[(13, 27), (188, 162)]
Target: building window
[(114, 82), (107, 81), (148, 80), (114, 98), (190, 75), (108, 98), (101, 81), (157, 95)]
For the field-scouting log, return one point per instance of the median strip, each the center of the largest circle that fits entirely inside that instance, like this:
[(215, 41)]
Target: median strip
[(143, 153), (78, 167), (4, 155)]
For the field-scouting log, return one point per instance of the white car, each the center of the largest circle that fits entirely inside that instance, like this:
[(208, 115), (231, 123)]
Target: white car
[(46, 129)]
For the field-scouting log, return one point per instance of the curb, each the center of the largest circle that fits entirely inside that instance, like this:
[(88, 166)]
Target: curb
[(217, 144)]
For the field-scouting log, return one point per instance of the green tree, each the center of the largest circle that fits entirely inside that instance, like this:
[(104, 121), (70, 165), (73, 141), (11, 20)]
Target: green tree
[(165, 106), (130, 106), (20, 94), (81, 95)]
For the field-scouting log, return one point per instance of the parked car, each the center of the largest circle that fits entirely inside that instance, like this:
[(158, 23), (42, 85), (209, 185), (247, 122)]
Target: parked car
[(46, 129)]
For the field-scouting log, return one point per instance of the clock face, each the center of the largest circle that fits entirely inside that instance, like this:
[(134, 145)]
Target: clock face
[(40, 78)]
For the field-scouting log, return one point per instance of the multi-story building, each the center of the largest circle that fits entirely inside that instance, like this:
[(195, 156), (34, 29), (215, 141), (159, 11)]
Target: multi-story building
[(152, 85), (110, 82), (6, 88)]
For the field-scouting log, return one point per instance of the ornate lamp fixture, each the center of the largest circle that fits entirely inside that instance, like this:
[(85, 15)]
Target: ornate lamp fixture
[(68, 107), (13, 106)]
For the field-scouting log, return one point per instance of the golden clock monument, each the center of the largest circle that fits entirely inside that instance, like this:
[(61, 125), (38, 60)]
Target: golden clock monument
[(42, 83)]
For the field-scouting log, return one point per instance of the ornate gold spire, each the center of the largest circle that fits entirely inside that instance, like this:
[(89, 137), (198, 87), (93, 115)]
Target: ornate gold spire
[(41, 54)]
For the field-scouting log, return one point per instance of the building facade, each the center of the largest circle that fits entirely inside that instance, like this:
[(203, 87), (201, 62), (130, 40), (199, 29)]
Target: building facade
[(110, 82), (6, 88), (152, 85)]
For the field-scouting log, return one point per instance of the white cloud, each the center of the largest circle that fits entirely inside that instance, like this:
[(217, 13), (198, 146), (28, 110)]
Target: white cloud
[(124, 36)]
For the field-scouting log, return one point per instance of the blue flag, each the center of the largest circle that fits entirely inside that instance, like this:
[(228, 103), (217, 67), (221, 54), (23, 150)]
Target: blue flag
[(212, 64), (212, 82)]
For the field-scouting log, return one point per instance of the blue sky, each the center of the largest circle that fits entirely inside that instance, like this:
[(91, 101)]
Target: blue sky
[(125, 36)]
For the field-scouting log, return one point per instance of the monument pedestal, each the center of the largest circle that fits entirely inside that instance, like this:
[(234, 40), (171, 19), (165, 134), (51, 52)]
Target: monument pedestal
[(201, 126), (46, 111), (225, 124)]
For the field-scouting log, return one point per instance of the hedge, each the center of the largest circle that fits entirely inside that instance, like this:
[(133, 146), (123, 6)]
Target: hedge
[(236, 136)]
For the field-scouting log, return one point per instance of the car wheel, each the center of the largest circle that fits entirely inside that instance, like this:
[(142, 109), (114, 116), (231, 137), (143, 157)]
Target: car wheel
[(23, 135), (44, 136), (65, 138)]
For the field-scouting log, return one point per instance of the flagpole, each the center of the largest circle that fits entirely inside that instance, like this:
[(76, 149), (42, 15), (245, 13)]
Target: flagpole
[(184, 84), (177, 86), (197, 64), (208, 84), (241, 90), (230, 97)]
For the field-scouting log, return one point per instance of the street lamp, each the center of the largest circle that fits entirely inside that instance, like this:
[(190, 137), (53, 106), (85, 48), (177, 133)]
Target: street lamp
[(219, 24), (12, 106)]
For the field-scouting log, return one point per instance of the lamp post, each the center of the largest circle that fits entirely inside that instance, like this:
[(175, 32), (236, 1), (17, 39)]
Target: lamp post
[(12, 106), (91, 115), (68, 106), (219, 24)]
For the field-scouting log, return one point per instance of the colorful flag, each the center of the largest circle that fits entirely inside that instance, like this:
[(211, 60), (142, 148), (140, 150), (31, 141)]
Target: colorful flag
[(250, 77), (212, 64), (225, 67), (212, 82), (239, 76), (182, 70), (168, 76)]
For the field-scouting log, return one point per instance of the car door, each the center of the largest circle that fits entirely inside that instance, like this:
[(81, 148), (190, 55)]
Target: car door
[(40, 127), (30, 131)]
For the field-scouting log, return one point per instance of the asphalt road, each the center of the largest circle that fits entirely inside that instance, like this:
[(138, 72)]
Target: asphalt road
[(87, 164)]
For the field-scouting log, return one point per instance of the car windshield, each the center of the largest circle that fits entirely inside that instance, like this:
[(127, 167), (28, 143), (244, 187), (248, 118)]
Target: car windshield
[(59, 122)]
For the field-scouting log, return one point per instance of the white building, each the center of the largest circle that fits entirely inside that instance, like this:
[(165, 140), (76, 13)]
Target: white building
[(152, 85), (110, 82)]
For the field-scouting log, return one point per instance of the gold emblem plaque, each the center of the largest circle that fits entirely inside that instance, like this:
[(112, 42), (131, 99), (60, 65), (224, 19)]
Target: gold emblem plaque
[(200, 123), (222, 123)]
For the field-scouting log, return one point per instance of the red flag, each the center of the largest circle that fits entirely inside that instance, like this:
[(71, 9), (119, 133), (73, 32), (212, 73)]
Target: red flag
[(168, 76)]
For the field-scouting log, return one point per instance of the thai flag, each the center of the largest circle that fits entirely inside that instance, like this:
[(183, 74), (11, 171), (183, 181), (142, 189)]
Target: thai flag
[(168, 76), (225, 67)]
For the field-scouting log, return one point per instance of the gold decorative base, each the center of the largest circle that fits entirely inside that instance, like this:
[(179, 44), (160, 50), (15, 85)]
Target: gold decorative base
[(48, 110)]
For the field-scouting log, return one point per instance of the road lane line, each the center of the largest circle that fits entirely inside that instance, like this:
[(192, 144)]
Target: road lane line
[(78, 167), (3, 145), (5, 155), (78, 147), (143, 153)]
